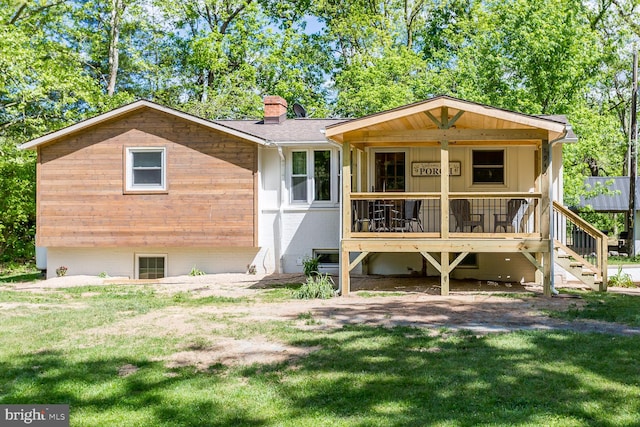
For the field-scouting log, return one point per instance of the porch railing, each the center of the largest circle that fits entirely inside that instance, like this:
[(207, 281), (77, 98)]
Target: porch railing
[(494, 214), (479, 214), (584, 242)]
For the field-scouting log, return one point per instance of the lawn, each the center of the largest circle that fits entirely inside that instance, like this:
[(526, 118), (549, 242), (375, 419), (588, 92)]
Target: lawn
[(104, 351)]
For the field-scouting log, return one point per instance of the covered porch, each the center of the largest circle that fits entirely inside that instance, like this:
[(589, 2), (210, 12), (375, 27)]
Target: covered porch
[(446, 178)]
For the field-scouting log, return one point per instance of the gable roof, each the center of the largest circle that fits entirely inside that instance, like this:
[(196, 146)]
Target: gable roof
[(307, 130), (616, 199), (414, 116), (134, 106)]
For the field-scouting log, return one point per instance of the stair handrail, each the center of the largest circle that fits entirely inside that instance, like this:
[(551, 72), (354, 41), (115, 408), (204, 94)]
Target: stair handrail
[(599, 236)]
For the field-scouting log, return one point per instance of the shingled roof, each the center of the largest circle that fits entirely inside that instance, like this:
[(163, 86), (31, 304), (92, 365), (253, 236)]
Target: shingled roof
[(292, 130)]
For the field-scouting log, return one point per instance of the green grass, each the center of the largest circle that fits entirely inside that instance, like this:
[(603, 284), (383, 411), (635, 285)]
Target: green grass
[(609, 307), (358, 375), (373, 294), (19, 273), (620, 260)]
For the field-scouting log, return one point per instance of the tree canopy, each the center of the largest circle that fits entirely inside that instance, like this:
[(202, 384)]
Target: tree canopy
[(65, 60)]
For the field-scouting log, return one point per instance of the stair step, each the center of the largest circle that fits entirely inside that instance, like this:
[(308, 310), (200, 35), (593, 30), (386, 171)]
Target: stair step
[(588, 273), (576, 264)]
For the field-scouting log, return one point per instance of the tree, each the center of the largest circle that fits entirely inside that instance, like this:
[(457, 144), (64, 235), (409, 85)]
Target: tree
[(534, 57)]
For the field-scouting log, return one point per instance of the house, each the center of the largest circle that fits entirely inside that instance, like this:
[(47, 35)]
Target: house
[(443, 187)]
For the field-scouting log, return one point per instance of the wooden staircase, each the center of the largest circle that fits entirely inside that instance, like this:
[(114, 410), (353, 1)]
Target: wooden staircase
[(579, 268), (580, 248)]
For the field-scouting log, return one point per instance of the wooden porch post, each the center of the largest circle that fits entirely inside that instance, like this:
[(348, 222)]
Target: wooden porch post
[(345, 282), (444, 273), (539, 279), (545, 216), (444, 214), (444, 189)]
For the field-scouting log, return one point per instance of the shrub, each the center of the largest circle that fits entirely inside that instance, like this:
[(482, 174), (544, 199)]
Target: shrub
[(319, 286), (61, 271), (251, 269), (196, 272), (103, 275), (310, 266), (621, 279)]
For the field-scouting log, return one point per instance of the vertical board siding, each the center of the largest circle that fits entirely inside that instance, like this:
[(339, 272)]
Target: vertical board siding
[(209, 200)]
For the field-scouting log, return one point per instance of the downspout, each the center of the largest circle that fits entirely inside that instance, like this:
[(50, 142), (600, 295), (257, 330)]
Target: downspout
[(554, 291), (340, 200), (340, 204), (278, 239)]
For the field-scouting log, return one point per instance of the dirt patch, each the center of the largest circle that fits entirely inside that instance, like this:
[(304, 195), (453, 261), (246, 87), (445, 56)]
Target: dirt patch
[(163, 322), (236, 352)]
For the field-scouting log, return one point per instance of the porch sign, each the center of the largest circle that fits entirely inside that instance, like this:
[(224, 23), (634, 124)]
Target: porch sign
[(433, 168)]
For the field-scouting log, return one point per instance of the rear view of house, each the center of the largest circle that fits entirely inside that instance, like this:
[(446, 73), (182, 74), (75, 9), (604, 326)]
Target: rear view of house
[(443, 187)]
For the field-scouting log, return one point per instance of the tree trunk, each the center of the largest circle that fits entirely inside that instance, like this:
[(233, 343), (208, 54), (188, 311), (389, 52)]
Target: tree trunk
[(117, 8)]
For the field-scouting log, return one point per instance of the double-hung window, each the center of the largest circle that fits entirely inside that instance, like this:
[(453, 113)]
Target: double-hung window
[(312, 176), (488, 166), (146, 169)]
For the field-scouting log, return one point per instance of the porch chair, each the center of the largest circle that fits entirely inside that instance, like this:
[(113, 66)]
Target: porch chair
[(361, 221), (461, 209), (513, 217), (368, 215), (410, 214), (378, 216)]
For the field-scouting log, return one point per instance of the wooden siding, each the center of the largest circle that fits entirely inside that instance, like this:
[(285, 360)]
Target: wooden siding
[(211, 185)]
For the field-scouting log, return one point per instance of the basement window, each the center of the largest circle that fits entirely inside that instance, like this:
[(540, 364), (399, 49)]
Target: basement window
[(327, 257), (469, 261), (151, 266), (146, 169)]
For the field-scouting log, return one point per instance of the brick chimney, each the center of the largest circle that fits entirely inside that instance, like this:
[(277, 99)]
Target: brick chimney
[(275, 110)]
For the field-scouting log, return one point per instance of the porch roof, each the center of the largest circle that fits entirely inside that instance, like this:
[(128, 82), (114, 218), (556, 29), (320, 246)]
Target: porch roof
[(465, 121)]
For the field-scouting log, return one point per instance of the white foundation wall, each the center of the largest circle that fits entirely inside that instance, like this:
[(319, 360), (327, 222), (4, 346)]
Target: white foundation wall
[(504, 267), (268, 230), (306, 230), (120, 262), (287, 237)]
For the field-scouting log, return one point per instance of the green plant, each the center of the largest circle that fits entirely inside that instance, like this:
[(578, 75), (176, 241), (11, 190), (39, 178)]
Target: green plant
[(103, 275), (196, 272), (621, 279), (305, 316), (251, 269), (61, 271), (319, 286), (310, 266)]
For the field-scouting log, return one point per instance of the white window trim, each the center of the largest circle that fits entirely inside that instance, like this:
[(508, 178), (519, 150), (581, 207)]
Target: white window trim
[(129, 186), (136, 271), (333, 200), (291, 176), (485, 185)]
